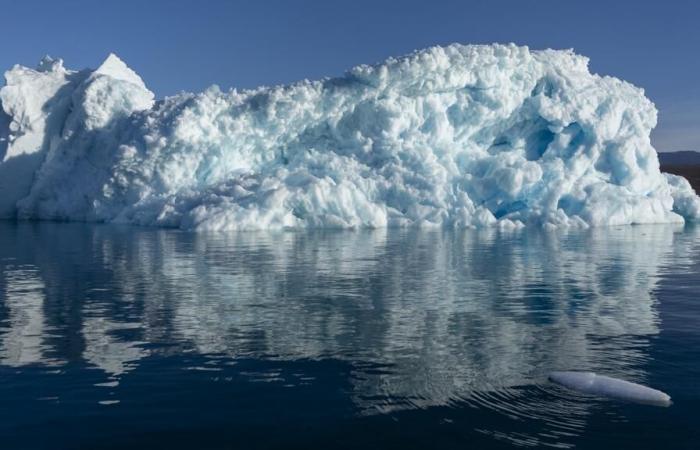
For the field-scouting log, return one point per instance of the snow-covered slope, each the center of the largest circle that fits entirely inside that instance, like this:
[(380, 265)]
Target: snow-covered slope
[(455, 136)]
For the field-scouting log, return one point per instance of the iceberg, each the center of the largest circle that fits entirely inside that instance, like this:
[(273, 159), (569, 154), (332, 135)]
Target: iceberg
[(456, 136)]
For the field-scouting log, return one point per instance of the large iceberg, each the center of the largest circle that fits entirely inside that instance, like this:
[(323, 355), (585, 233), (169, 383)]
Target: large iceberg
[(456, 136)]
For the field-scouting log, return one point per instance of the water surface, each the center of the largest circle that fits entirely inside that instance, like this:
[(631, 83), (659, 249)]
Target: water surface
[(116, 337)]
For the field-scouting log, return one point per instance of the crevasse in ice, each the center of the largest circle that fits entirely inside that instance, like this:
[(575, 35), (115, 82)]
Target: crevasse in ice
[(456, 136)]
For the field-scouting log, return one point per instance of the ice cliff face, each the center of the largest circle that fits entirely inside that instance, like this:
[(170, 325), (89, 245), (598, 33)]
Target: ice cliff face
[(458, 136)]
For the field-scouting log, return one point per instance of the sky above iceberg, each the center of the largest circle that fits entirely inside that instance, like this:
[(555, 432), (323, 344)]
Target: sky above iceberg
[(188, 45)]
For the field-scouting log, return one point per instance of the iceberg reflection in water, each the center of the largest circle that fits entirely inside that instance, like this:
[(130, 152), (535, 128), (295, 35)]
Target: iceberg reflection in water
[(421, 319)]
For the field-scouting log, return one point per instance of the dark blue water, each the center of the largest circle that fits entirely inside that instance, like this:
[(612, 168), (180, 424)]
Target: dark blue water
[(138, 338)]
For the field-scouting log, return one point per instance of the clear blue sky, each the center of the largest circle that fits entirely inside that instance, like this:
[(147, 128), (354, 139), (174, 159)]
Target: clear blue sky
[(188, 45)]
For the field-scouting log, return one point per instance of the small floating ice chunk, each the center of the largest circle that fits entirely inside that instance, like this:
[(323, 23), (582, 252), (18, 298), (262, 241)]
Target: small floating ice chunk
[(591, 383)]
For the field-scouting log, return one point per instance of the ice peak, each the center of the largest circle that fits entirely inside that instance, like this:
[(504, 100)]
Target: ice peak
[(114, 67)]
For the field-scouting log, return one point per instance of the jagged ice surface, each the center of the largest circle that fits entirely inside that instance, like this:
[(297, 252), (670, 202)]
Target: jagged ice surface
[(458, 136)]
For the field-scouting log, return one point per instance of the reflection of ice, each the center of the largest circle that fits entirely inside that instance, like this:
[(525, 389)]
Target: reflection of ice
[(104, 350), (447, 314), (21, 340), (423, 317), (448, 311)]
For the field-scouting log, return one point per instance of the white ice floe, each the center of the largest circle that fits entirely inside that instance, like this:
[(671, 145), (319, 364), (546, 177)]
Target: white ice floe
[(591, 383), (456, 136)]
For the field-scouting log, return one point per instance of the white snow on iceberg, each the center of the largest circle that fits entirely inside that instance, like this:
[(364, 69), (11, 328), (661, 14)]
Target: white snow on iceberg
[(457, 136)]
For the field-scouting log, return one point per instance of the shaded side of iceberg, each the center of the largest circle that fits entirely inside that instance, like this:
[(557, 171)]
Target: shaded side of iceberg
[(457, 136)]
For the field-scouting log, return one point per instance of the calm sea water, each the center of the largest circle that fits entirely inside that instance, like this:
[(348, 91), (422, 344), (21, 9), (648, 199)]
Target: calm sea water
[(137, 338)]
